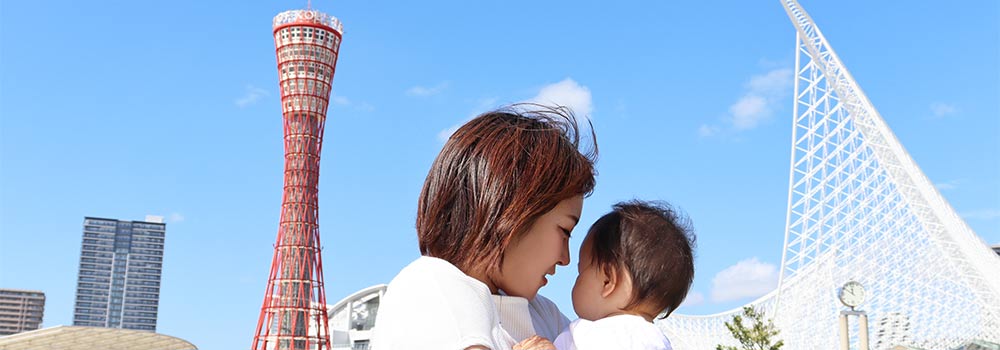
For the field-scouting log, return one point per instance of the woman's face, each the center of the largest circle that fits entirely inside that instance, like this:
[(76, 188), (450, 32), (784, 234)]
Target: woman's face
[(536, 254)]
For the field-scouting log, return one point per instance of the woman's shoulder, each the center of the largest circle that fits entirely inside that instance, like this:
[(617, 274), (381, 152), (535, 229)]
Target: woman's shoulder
[(432, 302), (436, 288), (433, 275)]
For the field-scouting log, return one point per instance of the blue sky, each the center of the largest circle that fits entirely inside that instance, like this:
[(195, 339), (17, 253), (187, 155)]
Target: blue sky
[(123, 109)]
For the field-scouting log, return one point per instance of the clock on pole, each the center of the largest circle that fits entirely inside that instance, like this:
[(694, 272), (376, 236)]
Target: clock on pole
[(852, 294)]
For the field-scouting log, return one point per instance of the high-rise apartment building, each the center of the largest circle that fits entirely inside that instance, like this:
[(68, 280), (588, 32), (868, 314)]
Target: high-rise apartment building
[(119, 280), (20, 310)]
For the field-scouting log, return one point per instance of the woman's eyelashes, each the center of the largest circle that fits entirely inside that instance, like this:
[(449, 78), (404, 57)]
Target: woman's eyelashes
[(567, 232)]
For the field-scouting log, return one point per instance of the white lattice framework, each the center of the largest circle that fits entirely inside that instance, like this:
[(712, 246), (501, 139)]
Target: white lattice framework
[(860, 209)]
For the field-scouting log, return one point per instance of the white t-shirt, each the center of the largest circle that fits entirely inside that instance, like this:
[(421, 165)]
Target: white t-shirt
[(431, 304), (454, 308), (615, 332)]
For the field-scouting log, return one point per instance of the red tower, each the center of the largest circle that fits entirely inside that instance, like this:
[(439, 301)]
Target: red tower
[(294, 316)]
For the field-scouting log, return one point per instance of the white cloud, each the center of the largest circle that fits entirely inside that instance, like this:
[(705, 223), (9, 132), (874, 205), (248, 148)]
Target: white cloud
[(340, 100), (693, 299), (252, 95), (443, 135), (486, 103), (984, 214), (337, 100), (942, 110), (482, 105), (707, 130), (763, 94), (422, 91), (566, 93), (176, 217), (950, 185), (774, 83), (749, 278), (749, 111)]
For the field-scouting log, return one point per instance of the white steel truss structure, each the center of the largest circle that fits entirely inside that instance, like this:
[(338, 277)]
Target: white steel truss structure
[(860, 209)]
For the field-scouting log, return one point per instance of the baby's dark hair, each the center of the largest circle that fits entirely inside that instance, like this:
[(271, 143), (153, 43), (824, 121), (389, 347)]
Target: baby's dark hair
[(654, 245)]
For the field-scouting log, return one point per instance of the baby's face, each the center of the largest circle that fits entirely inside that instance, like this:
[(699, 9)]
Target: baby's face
[(587, 299)]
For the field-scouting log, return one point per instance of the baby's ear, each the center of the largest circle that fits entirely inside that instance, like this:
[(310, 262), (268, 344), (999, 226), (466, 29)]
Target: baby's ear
[(612, 280)]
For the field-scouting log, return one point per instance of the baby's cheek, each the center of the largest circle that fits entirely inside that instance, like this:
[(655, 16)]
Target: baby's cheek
[(576, 297), (579, 300)]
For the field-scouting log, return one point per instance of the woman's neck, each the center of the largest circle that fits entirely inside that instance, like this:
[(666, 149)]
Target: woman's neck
[(483, 277)]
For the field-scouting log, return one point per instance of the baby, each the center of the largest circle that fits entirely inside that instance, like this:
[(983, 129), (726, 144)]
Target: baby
[(636, 263)]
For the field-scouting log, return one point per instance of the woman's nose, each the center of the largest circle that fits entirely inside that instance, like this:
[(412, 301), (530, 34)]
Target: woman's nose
[(564, 255)]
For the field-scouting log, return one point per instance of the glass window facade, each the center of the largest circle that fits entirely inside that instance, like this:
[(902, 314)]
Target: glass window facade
[(120, 267), (20, 310)]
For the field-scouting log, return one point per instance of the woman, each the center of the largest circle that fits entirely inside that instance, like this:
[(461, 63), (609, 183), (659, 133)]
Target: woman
[(494, 218)]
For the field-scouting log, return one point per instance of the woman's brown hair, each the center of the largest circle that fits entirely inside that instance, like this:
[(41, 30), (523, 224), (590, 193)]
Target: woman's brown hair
[(494, 177)]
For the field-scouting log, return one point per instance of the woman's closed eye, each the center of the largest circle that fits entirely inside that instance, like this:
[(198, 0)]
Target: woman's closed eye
[(567, 232)]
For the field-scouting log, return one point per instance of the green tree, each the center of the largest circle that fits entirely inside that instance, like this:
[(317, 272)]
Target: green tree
[(760, 335)]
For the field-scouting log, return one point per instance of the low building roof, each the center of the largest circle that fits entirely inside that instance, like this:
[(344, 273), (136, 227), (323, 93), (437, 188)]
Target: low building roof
[(81, 338)]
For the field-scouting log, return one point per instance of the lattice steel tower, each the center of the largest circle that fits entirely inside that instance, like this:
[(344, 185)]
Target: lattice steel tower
[(293, 316), (860, 209)]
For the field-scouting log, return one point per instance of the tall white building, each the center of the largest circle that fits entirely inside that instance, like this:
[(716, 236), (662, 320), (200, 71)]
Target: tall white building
[(119, 280)]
